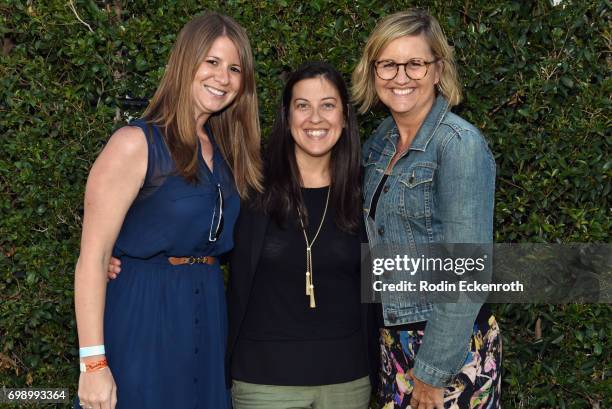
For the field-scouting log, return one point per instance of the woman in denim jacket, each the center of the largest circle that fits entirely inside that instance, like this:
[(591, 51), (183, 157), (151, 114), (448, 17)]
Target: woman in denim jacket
[(429, 178)]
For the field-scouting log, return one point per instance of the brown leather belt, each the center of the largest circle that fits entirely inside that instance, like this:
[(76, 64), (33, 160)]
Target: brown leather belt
[(177, 261)]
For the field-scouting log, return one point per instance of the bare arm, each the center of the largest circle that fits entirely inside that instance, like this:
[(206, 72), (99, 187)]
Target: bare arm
[(113, 183)]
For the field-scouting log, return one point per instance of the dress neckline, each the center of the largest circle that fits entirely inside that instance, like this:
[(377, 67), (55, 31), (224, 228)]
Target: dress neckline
[(201, 160)]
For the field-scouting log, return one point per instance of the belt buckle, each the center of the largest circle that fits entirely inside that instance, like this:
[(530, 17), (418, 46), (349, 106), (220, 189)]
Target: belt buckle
[(199, 260)]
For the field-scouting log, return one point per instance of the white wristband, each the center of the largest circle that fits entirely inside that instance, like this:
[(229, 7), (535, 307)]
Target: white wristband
[(91, 351)]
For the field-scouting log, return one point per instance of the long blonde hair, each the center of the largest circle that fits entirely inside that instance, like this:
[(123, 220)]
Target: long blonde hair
[(405, 23), (236, 128)]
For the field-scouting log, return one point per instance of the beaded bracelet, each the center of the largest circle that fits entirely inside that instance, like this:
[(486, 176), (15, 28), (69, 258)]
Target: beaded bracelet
[(93, 366)]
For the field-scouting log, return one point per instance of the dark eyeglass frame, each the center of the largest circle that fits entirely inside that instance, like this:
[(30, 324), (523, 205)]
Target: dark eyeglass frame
[(405, 64), (213, 237)]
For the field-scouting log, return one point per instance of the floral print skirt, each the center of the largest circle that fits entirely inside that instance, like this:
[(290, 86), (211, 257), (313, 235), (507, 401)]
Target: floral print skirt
[(478, 385)]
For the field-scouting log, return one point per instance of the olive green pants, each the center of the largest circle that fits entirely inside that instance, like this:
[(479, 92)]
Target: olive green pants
[(348, 395)]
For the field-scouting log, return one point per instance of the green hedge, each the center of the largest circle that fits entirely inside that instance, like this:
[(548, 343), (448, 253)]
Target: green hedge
[(536, 81)]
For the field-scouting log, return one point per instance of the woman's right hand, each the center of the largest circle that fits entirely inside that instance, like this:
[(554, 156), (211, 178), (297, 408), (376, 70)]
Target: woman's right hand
[(114, 268), (97, 389)]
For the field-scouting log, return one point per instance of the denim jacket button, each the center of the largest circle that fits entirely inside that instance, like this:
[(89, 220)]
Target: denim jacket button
[(391, 316), (381, 231), (385, 189)]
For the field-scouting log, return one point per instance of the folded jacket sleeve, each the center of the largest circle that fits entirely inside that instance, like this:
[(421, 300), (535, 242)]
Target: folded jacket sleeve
[(464, 199)]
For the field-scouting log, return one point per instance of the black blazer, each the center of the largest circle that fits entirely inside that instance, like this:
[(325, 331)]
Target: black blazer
[(249, 234)]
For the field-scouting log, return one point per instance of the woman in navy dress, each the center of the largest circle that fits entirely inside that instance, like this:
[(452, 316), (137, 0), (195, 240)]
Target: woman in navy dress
[(163, 196)]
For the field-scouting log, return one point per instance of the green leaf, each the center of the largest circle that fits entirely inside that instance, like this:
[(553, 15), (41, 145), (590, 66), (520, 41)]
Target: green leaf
[(567, 82)]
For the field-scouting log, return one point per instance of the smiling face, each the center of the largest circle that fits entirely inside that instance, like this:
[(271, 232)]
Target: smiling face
[(403, 96), (316, 118), (218, 79)]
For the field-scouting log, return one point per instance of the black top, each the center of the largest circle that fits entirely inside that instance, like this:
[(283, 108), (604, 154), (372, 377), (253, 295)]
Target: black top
[(282, 341), (483, 314), (377, 196)]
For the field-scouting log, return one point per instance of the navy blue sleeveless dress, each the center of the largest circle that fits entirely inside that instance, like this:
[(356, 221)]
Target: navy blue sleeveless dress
[(165, 326)]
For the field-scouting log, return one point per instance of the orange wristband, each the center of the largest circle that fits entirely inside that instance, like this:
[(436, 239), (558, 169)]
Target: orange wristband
[(93, 366)]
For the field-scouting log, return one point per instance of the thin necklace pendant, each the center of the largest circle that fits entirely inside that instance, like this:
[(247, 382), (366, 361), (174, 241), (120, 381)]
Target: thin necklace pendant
[(308, 275), (309, 280), (312, 297)]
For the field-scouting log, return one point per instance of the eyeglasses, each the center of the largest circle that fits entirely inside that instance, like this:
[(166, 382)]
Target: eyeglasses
[(415, 69), (217, 217)]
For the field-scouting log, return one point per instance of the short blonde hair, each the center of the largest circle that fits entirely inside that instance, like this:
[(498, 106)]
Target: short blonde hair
[(411, 22)]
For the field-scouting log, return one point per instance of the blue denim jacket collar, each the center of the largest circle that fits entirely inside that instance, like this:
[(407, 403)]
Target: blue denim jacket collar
[(428, 128)]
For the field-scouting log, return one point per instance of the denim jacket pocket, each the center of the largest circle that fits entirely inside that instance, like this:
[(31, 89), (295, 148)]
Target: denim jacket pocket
[(416, 190)]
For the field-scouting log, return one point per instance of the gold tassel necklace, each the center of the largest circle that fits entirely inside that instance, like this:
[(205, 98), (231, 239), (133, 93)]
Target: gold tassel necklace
[(309, 282)]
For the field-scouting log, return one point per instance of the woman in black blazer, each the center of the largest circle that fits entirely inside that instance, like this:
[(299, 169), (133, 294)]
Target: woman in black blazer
[(297, 328)]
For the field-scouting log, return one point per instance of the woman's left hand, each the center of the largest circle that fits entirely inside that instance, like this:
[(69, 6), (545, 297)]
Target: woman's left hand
[(425, 396)]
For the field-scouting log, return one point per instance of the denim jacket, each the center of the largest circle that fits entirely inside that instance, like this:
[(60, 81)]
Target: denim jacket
[(440, 191)]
